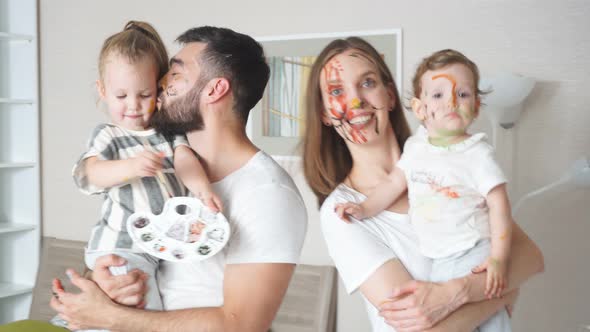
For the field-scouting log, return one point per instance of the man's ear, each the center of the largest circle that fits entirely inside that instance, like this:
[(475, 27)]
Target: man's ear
[(100, 89), (216, 89), (418, 108)]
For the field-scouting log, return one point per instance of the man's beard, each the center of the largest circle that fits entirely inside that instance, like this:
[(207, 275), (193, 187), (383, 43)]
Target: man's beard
[(180, 116)]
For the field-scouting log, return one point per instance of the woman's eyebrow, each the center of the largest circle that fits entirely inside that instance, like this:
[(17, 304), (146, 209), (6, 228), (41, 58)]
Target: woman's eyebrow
[(368, 72)]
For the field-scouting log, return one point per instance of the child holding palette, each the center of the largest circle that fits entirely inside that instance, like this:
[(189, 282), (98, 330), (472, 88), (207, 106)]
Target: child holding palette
[(127, 161)]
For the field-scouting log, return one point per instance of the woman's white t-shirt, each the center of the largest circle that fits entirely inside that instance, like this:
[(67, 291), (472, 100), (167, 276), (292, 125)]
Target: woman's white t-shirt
[(360, 248)]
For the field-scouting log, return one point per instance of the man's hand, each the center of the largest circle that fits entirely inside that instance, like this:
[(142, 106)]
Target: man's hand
[(418, 305), (88, 309), (127, 289)]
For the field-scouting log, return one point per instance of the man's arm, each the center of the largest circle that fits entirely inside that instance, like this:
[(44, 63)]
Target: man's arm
[(252, 296)]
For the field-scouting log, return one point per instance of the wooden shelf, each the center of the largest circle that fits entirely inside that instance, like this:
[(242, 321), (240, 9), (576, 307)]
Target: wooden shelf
[(6, 227), (15, 36), (8, 289)]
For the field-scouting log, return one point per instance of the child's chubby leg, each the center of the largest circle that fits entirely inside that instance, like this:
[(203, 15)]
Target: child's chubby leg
[(143, 262)]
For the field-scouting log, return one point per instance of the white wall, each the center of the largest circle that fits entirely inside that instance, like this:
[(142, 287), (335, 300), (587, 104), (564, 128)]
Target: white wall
[(547, 40)]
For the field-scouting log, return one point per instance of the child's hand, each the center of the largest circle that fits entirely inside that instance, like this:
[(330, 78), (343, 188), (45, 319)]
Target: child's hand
[(496, 281), (147, 163), (209, 198), (344, 210)]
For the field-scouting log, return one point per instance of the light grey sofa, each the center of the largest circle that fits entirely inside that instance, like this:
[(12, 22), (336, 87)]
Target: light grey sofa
[(309, 306)]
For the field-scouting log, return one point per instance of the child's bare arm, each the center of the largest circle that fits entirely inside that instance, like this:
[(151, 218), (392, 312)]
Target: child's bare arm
[(385, 193), (380, 199), (109, 173), (501, 237), (193, 176)]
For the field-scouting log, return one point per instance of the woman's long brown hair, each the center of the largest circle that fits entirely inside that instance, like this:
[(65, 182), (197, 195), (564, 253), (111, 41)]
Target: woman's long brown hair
[(326, 158)]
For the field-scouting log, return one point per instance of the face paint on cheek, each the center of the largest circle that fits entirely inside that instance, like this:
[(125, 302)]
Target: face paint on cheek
[(152, 106), (358, 137), (377, 125), (337, 106)]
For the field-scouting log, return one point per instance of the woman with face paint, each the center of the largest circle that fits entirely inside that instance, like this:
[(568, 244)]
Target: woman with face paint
[(355, 131)]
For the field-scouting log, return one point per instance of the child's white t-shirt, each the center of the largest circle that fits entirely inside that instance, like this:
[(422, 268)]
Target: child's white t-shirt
[(447, 189), (268, 224)]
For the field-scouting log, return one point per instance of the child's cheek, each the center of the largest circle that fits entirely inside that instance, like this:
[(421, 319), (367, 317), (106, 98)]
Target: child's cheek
[(151, 106)]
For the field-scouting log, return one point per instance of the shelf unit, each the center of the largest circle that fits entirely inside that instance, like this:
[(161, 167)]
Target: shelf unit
[(20, 216)]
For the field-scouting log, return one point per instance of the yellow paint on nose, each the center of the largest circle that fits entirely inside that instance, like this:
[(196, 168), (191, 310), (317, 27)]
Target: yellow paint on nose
[(355, 103)]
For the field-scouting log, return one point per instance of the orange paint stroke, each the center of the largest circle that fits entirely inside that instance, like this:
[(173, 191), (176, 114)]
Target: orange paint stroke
[(152, 106), (452, 79)]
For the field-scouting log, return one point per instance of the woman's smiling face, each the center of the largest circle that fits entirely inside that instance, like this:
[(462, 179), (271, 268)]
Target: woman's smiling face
[(356, 100)]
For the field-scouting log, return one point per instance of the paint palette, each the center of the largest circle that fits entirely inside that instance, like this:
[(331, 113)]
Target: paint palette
[(186, 230)]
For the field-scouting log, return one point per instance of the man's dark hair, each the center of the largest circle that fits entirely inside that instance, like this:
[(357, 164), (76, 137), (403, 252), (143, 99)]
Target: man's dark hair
[(236, 57)]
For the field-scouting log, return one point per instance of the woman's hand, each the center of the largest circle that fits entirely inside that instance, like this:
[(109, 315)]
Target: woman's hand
[(418, 305), (127, 289), (88, 309)]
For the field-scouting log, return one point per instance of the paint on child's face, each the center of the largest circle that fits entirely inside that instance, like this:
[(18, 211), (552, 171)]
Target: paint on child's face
[(449, 100), (152, 107), (130, 91), (351, 89)]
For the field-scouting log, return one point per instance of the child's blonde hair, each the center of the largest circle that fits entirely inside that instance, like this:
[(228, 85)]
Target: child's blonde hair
[(137, 40), (442, 59)]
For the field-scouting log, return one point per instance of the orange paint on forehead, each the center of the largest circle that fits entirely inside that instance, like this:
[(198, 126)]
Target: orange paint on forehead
[(332, 76), (453, 82), (332, 71)]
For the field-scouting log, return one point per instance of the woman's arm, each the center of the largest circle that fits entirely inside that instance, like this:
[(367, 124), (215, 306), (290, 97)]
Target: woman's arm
[(425, 303), (526, 260), (470, 316)]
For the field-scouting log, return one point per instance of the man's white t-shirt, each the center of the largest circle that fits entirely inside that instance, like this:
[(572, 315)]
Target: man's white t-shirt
[(268, 224), (360, 248), (447, 189)]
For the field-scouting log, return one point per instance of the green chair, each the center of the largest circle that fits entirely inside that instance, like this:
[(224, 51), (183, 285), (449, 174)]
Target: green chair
[(30, 326)]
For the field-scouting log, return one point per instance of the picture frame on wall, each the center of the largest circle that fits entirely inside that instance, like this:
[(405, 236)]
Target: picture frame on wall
[(276, 123)]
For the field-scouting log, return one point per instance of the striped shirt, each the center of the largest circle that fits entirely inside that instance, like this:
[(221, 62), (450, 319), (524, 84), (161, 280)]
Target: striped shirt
[(110, 142)]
